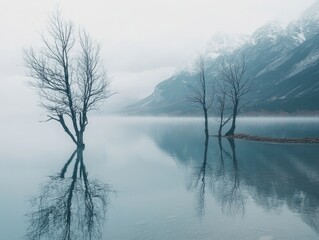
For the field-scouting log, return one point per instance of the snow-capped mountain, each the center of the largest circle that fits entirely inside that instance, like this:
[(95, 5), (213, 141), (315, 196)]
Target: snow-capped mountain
[(223, 43), (218, 45), (306, 26), (270, 33), (284, 60)]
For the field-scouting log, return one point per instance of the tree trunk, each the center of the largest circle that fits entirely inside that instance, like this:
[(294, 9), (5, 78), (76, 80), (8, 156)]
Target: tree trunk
[(231, 131), (221, 122), (220, 128), (206, 121), (80, 142)]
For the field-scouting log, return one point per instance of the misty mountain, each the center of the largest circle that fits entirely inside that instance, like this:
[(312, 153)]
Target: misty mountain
[(284, 60)]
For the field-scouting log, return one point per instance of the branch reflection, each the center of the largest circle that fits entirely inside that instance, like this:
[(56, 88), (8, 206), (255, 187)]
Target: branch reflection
[(199, 178), (223, 183), (275, 177), (232, 198), (69, 207)]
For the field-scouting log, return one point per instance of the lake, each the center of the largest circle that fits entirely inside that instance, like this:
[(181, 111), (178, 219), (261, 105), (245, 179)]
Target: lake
[(155, 178)]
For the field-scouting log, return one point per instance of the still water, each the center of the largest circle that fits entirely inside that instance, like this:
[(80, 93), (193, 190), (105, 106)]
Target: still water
[(155, 178)]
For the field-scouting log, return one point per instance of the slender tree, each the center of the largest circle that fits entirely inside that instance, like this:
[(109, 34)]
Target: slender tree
[(237, 84), (221, 109), (202, 93), (69, 76)]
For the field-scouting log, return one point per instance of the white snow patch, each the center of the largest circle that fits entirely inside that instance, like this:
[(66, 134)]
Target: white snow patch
[(310, 60), (272, 66), (223, 43), (271, 31), (274, 98), (301, 37), (283, 97)]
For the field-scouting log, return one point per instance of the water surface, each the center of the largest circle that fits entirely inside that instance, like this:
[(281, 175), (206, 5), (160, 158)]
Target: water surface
[(164, 182)]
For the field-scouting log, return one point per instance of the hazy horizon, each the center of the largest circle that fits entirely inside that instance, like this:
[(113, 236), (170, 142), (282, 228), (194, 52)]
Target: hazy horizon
[(143, 42)]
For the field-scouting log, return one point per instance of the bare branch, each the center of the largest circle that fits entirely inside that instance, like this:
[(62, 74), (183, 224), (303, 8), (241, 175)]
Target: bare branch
[(235, 84), (68, 75), (202, 92)]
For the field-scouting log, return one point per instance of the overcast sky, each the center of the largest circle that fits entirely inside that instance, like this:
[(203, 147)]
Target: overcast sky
[(144, 41)]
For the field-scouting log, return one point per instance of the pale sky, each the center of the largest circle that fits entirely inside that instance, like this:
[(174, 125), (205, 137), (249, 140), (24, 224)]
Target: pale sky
[(143, 41)]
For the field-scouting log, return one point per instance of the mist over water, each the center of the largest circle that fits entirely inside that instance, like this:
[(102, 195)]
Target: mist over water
[(156, 177), (167, 182)]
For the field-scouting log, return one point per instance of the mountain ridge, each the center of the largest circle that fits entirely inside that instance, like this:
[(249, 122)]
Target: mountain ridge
[(283, 59)]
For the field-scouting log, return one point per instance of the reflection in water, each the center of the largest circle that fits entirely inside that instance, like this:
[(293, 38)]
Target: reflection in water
[(272, 176), (225, 185), (199, 181), (233, 201), (69, 207)]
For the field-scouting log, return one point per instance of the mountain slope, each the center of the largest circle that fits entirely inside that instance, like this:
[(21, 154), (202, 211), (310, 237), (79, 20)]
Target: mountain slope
[(283, 60)]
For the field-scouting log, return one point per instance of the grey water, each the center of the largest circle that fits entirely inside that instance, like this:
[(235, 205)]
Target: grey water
[(163, 181)]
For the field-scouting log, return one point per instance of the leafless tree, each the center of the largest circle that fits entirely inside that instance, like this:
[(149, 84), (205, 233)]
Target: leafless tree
[(222, 108), (237, 84), (69, 208), (202, 93), (69, 76)]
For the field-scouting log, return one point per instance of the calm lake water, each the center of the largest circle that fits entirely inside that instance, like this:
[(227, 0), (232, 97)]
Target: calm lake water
[(159, 181)]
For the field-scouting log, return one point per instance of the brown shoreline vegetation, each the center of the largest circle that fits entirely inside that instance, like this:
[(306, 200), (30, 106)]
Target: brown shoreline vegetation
[(305, 140)]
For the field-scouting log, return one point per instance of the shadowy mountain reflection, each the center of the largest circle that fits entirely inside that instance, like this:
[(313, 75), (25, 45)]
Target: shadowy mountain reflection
[(272, 175), (71, 207)]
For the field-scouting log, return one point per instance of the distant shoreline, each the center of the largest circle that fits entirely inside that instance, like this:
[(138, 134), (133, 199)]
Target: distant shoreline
[(243, 115), (305, 140)]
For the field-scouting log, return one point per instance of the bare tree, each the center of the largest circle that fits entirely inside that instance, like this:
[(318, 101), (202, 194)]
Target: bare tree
[(202, 93), (221, 109), (68, 75), (237, 84)]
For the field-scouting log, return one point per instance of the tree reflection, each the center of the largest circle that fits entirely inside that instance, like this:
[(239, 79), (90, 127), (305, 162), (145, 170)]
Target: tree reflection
[(202, 178), (232, 199), (199, 181), (222, 183), (273, 176), (69, 207)]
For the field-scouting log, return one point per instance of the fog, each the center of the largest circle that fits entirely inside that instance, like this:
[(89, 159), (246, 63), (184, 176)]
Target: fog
[(143, 41)]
